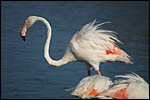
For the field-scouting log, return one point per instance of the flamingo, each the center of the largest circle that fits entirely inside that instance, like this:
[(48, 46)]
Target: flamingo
[(131, 86), (91, 86), (90, 45)]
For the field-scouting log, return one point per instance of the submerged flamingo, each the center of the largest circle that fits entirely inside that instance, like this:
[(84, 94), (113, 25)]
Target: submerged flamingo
[(130, 86), (90, 45)]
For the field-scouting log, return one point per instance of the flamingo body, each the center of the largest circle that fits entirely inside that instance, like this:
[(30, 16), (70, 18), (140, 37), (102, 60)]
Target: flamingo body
[(132, 86), (95, 46), (91, 86)]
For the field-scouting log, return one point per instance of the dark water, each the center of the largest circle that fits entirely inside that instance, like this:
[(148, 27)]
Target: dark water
[(24, 71)]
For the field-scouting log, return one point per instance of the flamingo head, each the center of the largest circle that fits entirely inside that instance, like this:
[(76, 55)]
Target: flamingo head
[(28, 23)]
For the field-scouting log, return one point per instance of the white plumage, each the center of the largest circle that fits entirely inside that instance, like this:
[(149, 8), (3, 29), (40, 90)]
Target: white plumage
[(90, 45), (128, 86), (89, 86)]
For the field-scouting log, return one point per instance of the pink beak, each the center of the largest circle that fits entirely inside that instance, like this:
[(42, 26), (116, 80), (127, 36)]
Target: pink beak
[(23, 32)]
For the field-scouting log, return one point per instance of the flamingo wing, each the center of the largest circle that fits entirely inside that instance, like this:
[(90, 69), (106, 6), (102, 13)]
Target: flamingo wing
[(97, 42), (137, 86), (131, 87), (91, 86), (98, 38)]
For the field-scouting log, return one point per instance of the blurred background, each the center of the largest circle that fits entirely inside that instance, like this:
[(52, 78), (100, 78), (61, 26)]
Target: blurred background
[(24, 71)]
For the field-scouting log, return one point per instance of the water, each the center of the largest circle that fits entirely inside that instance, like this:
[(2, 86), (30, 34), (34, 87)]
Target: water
[(24, 71)]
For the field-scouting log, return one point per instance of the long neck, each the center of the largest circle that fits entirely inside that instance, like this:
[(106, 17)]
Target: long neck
[(47, 44)]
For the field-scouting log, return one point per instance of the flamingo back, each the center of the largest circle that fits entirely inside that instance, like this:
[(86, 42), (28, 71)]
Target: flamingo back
[(132, 87), (91, 86), (98, 44)]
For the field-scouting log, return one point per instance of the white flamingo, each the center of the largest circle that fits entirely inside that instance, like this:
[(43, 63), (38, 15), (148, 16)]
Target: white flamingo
[(130, 86), (92, 86), (90, 45)]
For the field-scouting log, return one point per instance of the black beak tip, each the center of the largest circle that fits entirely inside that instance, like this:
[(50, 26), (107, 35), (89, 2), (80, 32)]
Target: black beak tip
[(23, 37)]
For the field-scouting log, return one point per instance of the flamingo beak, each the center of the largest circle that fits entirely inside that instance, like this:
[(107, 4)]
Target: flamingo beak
[(23, 32), (23, 37)]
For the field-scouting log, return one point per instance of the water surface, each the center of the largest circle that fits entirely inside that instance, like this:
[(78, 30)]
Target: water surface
[(24, 71)]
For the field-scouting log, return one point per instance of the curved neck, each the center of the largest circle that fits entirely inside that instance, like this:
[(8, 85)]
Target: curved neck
[(47, 44)]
